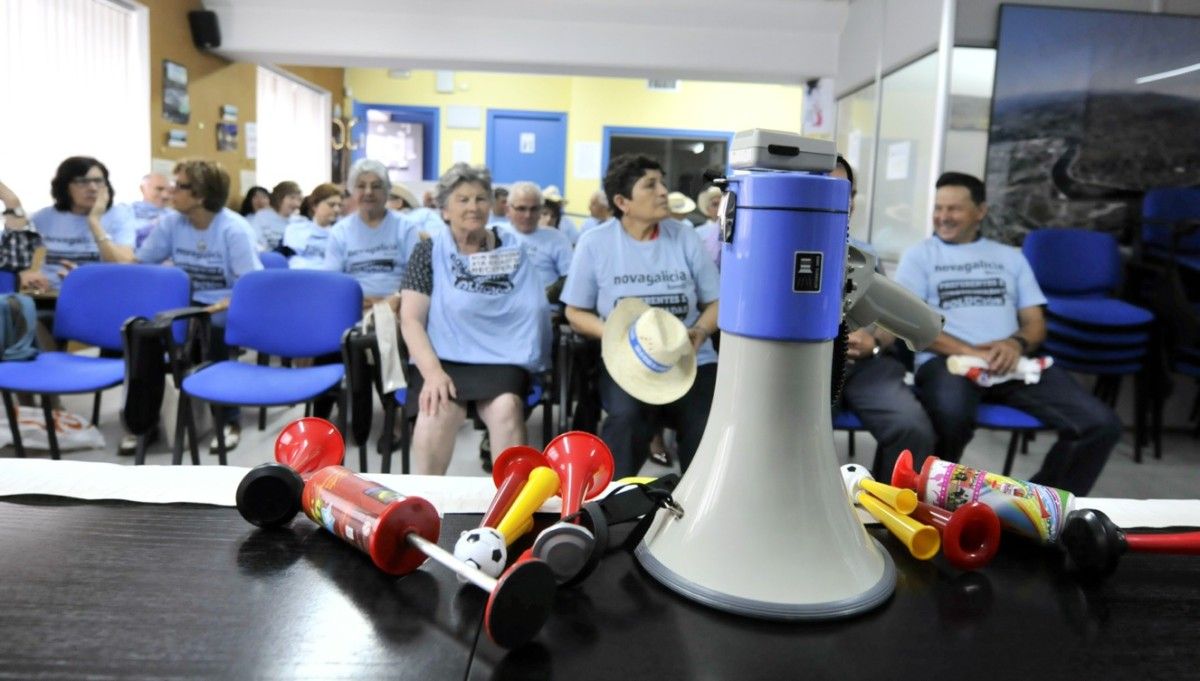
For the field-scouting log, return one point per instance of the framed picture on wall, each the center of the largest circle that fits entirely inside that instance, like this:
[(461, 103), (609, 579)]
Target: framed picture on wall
[(176, 107)]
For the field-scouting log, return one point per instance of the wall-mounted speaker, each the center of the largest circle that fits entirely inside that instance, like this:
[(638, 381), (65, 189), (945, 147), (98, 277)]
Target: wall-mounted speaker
[(205, 33)]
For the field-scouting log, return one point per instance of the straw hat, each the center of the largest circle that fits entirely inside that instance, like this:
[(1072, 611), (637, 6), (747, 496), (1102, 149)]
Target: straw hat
[(678, 203), (705, 196), (553, 195), (647, 352), (399, 190)]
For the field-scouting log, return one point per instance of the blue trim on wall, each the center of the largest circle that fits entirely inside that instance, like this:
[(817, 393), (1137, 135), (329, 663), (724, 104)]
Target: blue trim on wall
[(429, 116), (610, 130), (557, 116)]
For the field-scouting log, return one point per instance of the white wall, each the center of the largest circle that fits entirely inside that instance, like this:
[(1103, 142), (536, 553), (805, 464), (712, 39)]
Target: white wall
[(910, 31)]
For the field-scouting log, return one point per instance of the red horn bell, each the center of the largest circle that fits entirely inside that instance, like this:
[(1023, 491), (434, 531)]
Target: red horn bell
[(584, 465), (510, 472), (309, 444), (970, 535)]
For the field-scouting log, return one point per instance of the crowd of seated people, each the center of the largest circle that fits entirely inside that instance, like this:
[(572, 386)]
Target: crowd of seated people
[(472, 273)]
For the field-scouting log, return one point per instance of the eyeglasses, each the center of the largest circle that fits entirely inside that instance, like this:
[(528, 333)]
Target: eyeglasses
[(82, 181), (369, 188), (525, 209)]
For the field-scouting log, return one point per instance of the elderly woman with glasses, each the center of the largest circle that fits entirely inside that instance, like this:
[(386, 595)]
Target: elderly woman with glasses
[(372, 244), (83, 226), (476, 322)]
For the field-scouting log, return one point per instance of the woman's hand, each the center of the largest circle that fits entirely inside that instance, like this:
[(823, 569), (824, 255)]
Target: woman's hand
[(438, 391), (34, 281), (697, 335), (66, 267), (100, 207)]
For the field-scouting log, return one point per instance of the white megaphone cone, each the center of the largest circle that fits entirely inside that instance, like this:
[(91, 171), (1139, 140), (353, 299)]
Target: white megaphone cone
[(767, 529)]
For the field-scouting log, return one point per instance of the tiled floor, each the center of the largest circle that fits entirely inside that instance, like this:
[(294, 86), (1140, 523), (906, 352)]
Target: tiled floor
[(1176, 475)]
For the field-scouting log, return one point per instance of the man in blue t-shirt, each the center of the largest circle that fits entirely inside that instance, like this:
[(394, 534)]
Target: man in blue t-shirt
[(549, 249), (993, 310)]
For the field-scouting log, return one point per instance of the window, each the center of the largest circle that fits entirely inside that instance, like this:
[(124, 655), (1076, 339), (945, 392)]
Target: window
[(293, 131), (76, 78), (684, 155)]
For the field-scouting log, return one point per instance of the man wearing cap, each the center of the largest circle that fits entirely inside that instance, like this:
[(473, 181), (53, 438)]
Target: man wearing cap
[(643, 284)]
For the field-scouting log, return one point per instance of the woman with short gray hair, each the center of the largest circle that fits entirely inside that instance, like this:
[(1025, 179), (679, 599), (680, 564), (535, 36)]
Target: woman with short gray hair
[(476, 323), (372, 244)]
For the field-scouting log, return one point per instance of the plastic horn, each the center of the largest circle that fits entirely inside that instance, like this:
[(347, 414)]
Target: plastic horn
[(543, 483), (269, 495), (922, 540), (510, 473), (903, 500), (584, 465), (1096, 544), (403, 533), (970, 534)]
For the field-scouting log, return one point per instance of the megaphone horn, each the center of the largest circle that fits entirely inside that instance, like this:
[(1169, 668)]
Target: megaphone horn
[(584, 465)]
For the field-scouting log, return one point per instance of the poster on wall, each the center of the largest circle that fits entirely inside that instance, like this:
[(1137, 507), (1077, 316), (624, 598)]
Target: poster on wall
[(229, 113), (820, 111), (176, 107), (227, 134), (1091, 108), (176, 138)]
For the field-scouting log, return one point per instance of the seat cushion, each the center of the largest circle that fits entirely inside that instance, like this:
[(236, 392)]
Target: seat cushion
[(1098, 311), (1059, 348), (250, 384), (1003, 416), (846, 420), (61, 373)]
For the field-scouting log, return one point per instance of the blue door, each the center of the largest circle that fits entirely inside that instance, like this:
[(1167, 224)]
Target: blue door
[(527, 145)]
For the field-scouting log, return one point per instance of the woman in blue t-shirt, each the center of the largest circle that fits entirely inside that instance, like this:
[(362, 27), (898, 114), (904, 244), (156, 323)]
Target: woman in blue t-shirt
[(83, 226), (308, 238), (270, 223), (644, 254), (476, 322)]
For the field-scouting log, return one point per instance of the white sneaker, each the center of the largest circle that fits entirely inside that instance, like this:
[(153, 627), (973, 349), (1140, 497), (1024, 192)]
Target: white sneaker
[(233, 435)]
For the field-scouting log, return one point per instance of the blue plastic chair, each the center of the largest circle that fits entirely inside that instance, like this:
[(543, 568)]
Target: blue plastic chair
[(273, 260), (92, 305), (1171, 225), (1087, 329), (288, 313)]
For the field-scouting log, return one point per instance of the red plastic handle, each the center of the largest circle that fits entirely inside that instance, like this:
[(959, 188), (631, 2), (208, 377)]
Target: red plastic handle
[(1182, 543)]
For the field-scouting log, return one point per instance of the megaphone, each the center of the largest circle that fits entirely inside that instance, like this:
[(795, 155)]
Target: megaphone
[(766, 528)]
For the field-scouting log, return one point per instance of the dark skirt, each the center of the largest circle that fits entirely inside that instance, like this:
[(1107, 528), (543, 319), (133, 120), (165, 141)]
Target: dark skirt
[(472, 382)]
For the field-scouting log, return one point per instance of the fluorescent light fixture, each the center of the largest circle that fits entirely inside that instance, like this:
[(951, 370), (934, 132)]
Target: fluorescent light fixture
[(1167, 74)]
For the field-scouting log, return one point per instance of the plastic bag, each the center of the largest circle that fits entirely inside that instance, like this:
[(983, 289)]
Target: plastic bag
[(391, 371), (73, 431)]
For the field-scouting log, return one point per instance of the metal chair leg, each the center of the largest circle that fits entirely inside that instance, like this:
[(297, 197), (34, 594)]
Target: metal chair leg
[(96, 410), (140, 456), (850, 440), (51, 428), (389, 423), (180, 431), (13, 425), (1012, 451), (218, 413)]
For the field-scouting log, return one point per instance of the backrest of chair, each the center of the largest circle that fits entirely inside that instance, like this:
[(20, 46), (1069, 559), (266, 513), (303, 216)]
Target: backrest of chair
[(293, 313), (95, 300), (273, 260), (1171, 204), (1073, 261)]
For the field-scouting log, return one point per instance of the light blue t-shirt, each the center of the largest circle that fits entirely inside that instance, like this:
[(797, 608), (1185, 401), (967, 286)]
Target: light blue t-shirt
[(548, 249), (567, 226), (977, 286), (671, 272), (488, 307), (498, 221), (68, 237), (308, 240), (146, 216), (269, 227), (214, 258), (375, 256), (587, 224), (710, 236), (427, 220)]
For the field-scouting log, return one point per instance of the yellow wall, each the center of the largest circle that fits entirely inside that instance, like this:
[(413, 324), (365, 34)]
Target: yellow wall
[(590, 105)]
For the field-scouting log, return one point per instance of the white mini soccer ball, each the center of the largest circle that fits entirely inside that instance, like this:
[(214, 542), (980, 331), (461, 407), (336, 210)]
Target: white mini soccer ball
[(484, 548)]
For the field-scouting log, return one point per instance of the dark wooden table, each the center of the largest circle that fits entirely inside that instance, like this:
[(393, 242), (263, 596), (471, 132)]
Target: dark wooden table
[(130, 591)]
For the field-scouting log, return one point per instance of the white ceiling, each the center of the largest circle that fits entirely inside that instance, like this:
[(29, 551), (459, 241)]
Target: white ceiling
[(779, 41)]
